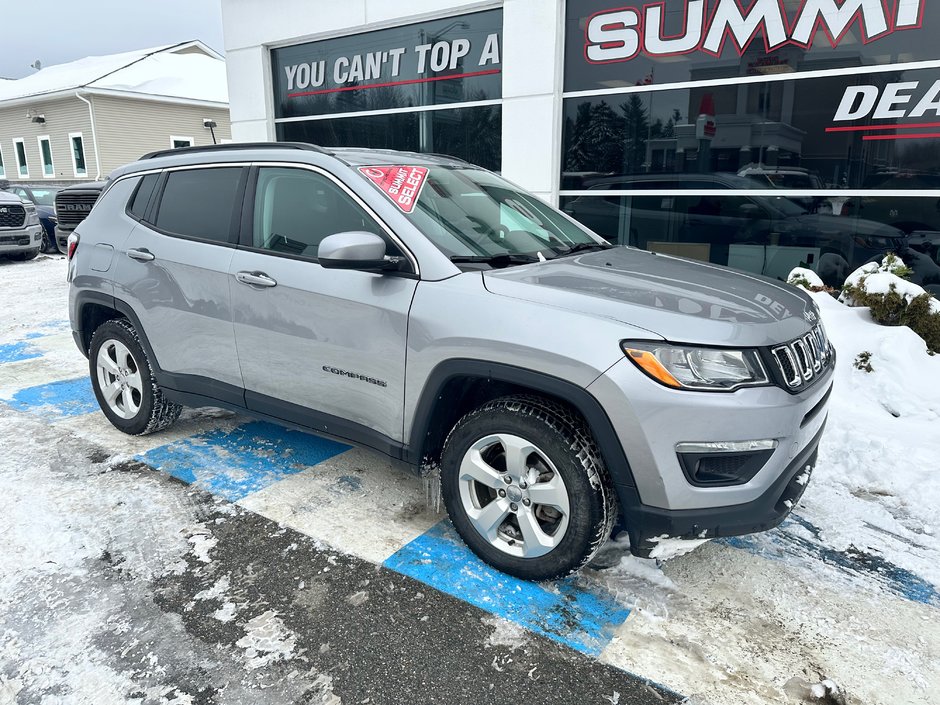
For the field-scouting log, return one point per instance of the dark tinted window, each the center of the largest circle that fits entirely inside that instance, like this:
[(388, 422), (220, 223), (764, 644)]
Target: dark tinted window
[(295, 209), (141, 197), (471, 134), (831, 132), (200, 203), (771, 235), (438, 62), (608, 45)]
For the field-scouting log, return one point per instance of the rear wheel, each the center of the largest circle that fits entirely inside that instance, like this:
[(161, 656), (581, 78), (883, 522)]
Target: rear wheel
[(526, 488), (124, 384)]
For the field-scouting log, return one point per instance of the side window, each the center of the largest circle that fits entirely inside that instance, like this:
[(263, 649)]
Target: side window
[(200, 203), (295, 209), (141, 198)]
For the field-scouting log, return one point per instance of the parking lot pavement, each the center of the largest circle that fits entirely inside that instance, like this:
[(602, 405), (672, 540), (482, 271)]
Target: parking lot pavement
[(228, 560)]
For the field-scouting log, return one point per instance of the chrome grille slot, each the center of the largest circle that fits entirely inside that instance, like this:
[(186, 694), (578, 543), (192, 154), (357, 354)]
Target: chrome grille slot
[(802, 360), (787, 363)]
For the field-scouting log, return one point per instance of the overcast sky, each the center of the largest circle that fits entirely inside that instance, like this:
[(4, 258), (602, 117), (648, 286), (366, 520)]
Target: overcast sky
[(58, 31)]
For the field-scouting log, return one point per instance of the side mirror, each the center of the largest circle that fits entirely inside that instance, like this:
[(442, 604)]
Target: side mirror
[(354, 250), (750, 210)]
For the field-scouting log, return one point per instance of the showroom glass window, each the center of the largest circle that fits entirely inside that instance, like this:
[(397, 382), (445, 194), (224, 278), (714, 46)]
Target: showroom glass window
[(432, 87), (763, 138)]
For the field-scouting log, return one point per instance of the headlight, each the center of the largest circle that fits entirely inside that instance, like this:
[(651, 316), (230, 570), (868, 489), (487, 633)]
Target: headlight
[(32, 216), (681, 367)]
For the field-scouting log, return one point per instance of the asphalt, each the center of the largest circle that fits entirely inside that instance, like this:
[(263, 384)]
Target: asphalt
[(363, 634)]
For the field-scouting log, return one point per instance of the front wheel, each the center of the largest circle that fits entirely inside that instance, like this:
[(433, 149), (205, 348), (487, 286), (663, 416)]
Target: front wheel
[(123, 382), (526, 487)]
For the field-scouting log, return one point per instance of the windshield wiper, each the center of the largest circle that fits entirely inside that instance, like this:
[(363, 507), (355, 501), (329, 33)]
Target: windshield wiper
[(585, 247), (504, 259)]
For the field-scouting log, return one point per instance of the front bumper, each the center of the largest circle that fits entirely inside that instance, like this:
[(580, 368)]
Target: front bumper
[(645, 524), (62, 239), (656, 495), (23, 240)]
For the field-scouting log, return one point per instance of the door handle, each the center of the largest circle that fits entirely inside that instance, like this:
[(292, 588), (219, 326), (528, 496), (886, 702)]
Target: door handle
[(141, 255), (255, 279)]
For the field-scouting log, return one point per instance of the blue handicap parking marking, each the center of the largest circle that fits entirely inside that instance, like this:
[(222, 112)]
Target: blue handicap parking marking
[(787, 543), (15, 352), (70, 397), (236, 463), (579, 616)]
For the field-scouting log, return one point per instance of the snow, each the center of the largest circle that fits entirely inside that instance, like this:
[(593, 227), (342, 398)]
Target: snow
[(667, 547), (266, 640), (156, 71), (879, 279), (808, 275)]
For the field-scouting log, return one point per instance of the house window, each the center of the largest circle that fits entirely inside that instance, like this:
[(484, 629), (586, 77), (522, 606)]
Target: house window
[(180, 142), (77, 143), (45, 153), (3, 171), (21, 163)]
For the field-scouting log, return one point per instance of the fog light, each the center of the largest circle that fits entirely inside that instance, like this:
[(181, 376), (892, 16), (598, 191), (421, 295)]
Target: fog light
[(723, 463), (725, 446)]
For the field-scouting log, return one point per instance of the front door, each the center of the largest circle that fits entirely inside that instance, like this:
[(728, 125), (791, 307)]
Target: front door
[(320, 347)]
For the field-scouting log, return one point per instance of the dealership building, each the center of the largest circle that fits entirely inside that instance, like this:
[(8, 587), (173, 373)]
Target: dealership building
[(760, 135)]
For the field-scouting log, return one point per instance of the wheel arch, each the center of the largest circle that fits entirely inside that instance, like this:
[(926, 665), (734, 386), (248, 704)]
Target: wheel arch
[(93, 308), (457, 386)]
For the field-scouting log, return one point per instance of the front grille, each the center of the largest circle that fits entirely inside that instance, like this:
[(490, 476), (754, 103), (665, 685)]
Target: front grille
[(13, 240), (12, 216), (72, 208), (802, 360)]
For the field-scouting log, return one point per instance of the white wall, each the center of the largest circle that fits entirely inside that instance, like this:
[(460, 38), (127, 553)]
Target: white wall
[(532, 57)]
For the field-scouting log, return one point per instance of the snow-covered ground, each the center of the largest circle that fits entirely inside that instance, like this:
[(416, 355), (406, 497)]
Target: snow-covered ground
[(848, 589)]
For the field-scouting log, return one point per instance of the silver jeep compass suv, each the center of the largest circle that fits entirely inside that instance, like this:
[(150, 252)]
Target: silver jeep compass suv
[(434, 312)]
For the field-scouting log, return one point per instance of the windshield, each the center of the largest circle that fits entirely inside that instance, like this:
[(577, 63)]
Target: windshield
[(468, 212), (44, 196)]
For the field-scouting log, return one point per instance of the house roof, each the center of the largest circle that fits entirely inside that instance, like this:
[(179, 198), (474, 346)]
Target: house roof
[(181, 72)]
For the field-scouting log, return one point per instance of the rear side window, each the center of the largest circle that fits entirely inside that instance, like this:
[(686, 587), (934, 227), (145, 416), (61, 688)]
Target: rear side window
[(200, 203), (141, 197)]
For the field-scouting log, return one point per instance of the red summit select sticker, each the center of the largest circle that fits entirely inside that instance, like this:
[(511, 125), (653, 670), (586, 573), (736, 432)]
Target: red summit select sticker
[(402, 184)]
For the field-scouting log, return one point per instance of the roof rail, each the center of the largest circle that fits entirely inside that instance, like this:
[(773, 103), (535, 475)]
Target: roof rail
[(233, 146)]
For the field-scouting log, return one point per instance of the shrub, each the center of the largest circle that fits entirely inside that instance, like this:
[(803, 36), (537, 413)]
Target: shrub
[(893, 301), (863, 362)]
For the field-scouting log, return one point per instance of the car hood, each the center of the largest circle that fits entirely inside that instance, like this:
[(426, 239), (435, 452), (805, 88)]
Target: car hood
[(678, 299)]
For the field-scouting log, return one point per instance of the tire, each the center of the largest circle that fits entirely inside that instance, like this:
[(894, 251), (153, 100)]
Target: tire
[(553, 458), (48, 243), (117, 358), (24, 255)]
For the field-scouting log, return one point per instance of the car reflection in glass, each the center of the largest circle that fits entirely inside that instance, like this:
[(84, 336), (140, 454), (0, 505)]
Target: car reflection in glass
[(768, 235)]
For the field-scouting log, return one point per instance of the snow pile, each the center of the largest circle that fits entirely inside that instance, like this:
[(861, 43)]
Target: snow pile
[(807, 278), (874, 278), (877, 481)]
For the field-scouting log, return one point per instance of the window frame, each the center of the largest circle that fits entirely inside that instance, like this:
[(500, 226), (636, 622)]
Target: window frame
[(75, 170), (156, 201), (177, 138), (16, 158), (246, 234), (42, 159), (3, 166)]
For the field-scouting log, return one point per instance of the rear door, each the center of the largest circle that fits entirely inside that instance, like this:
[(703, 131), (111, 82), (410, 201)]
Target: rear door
[(174, 272), (320, 347)]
